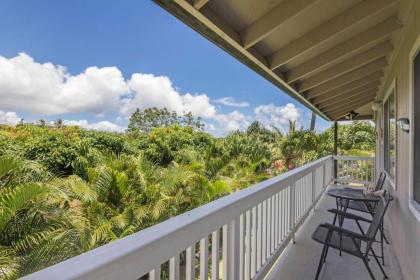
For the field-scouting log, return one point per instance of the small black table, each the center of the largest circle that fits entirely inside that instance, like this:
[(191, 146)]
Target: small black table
[(352, 194)]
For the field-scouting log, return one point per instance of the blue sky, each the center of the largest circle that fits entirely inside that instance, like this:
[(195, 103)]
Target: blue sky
[(119, 39)]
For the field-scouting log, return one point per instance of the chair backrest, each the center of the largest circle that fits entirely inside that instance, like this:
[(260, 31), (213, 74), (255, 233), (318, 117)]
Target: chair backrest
[(378, 216), (380, 182)]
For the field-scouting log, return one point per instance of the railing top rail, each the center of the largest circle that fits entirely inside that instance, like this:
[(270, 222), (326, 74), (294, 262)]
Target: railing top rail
[(141, 251), (353, 158)]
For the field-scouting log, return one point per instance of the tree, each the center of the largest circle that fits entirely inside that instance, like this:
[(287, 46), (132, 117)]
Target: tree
[(42, 122), (145, 121), (58, 123), (258, 130), (292, 126)]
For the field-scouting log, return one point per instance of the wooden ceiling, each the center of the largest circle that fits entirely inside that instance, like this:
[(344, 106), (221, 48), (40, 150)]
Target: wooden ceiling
[(329, 55)]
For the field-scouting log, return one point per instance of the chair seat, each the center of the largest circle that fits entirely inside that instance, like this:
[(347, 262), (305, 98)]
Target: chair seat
[(347, 244), (354, 205)]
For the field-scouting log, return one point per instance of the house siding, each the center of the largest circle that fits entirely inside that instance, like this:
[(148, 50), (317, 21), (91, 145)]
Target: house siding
[(401, 222)]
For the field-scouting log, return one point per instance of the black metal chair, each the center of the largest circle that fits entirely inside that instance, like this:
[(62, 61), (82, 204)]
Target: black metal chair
[(362, 207), (350, 242)]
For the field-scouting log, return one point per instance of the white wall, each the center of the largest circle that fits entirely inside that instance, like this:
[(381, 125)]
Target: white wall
[(402, 223)]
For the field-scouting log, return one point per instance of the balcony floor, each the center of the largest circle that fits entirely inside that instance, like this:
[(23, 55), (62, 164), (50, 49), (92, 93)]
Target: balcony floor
[(300, 260)]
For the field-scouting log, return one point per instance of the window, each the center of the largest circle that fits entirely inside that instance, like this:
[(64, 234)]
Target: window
[(416, 129), (390, 134)]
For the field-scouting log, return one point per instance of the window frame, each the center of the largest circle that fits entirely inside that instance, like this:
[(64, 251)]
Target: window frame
[(414, 206), (385, 128)]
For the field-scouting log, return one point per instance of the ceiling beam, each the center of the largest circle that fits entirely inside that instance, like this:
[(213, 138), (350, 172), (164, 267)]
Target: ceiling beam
[(361, 100), (225, 38), (332, 97), (350, 105), (198, 4), (359, 118), (272, 20), (328, 30), (342, 113), (349, 98), (350, 77), (346, 66), (313, 94), (356, 103), (346, 48)]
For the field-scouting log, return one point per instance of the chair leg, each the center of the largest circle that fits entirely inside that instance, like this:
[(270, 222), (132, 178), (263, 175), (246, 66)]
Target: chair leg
[(335, 219), (368, 268), (383, 232), (379, 264), (382, 247), (321, 262), (326, 253)]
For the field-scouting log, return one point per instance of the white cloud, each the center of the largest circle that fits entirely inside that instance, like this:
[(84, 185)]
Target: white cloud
[(102, 126), (10, 118), (279, 116), (232, 121), (49, 89), (229, 101), (157, 91)]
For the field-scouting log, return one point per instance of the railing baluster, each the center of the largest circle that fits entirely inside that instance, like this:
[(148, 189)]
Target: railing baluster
[(204, 258), (268, 233), (215, 255), (313, 180), (292, 209), (264, 233), (190, 262), (287, 211), (241, 246), (174, 268), (155, 273), (283, 213), (254, 241), (231, 250), (247, 268), (259, 235), (276, 220), (273, 227)]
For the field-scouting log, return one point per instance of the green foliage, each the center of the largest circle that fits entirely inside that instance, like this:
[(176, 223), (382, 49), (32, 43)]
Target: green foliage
[(150, 118), (359, 135), (64, 190)]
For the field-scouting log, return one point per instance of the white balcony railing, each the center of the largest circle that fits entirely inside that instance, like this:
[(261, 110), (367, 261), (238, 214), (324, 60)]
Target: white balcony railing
[(355, 169), (243, 234)]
